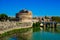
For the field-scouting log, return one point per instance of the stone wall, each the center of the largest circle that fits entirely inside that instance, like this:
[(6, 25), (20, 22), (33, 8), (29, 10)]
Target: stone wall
[(5, 26)]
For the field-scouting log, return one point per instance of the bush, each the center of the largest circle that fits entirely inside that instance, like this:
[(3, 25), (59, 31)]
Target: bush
[(37, 24)]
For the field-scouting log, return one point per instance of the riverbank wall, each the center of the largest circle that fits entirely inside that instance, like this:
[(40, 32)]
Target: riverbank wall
[(7, 26)]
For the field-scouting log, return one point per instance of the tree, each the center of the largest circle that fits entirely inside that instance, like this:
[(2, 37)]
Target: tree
[(37, 24), (55, 18), (3, 17)]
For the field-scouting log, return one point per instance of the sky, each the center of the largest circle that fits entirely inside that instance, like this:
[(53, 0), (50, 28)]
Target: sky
[(38, 7)]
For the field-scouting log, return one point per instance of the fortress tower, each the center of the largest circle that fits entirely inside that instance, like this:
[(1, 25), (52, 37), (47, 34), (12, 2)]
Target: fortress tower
[(24, 16)]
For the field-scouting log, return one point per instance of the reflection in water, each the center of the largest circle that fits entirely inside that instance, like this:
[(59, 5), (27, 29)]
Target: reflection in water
[(36, 34), (48, 34), (19, 36), (36, 29), (12, 38)]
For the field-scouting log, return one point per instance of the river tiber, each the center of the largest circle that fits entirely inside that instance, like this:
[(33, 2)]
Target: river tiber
[(24, 21)]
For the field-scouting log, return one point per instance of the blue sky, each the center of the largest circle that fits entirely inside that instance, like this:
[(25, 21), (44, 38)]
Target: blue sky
[(38, 7)]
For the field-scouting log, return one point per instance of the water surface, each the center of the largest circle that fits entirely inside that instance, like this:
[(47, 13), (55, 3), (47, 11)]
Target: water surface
[(36, 34)]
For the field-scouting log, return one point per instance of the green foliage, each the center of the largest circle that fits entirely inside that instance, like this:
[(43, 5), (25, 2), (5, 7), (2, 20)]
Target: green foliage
[(57, 19), (37, 24), (34, 24), (3, 17), (36, 29)]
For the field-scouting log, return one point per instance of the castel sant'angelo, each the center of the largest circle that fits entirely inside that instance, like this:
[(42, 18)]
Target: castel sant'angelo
[(24, 16), (23, 20)]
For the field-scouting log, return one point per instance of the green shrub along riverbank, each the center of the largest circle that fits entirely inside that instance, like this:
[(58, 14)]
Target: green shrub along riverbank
[(37, 24), (14, 31)]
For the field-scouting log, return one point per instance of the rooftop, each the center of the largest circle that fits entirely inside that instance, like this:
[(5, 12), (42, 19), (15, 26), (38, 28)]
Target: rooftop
[(23, 11)]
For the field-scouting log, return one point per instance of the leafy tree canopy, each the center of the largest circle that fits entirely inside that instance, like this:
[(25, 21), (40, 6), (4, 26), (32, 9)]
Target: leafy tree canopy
[(55, 18), (3, 17)]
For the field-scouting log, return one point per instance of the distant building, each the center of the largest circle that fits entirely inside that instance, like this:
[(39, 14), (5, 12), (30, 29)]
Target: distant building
[(24, 16), (43, 19)]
